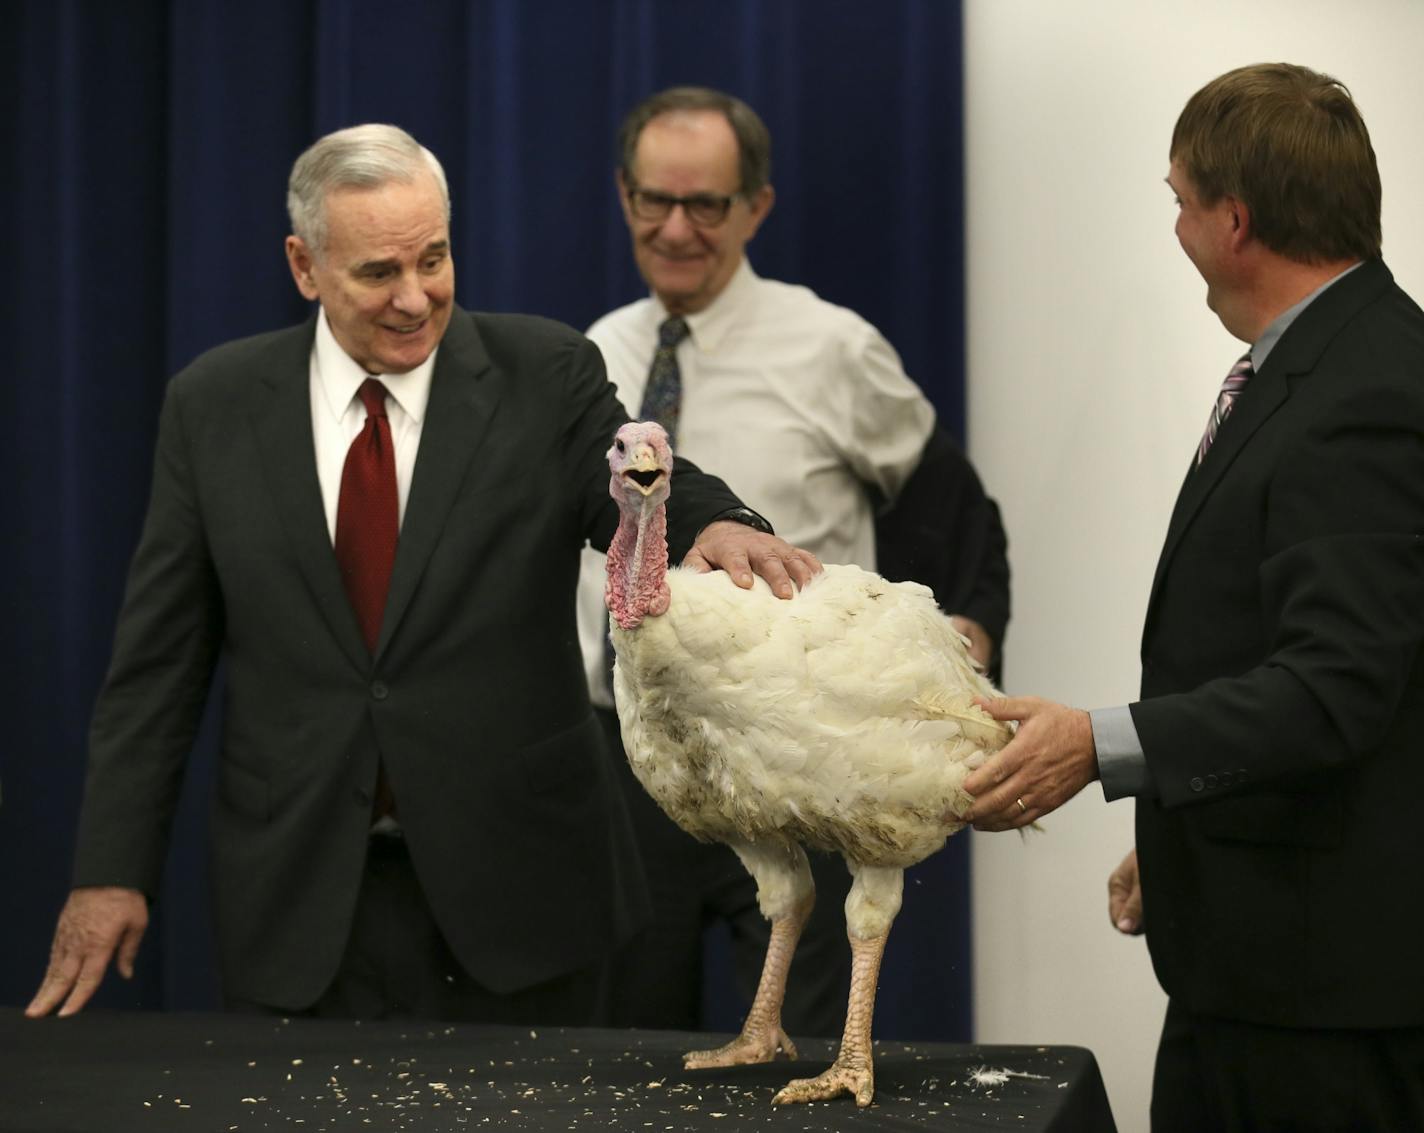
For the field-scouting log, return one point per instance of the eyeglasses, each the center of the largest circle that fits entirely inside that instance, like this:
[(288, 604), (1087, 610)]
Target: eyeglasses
[(706, 210)]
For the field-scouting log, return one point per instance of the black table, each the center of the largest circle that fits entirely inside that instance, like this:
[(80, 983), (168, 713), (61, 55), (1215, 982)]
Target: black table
[(145, 1071)]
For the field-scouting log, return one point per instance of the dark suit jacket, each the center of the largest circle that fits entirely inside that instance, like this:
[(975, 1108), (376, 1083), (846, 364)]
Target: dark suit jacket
[(943, 531), (475, 698), (1283, 685)]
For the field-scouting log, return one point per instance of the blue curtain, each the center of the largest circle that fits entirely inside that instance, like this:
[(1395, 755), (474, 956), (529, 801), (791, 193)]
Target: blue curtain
[(147, 147)]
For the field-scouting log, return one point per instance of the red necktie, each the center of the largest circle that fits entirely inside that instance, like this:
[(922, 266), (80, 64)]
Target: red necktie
[(367, 526), (368, 514)]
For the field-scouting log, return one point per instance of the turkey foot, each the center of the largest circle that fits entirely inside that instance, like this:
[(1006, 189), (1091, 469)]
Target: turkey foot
[(762, 1035), (842, 1078), (755, 1044), (853, 1071)]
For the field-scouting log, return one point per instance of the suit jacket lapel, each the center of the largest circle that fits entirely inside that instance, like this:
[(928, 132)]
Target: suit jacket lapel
[(463, 396), (281, 418), (1293, 357), (1263, 395)]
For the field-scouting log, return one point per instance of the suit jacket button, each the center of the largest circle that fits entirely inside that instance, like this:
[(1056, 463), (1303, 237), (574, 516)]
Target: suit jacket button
[(1196, 784), (1211, 782), (1226, 778), (379, 691)]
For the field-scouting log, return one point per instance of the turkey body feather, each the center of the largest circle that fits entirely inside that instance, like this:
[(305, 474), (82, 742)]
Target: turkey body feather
[(841, 719)]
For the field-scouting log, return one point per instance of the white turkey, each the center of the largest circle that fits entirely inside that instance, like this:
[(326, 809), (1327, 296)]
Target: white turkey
[(841, 719)]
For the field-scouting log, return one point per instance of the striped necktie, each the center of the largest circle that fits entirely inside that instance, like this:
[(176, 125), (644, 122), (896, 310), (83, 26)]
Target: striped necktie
[(1230, 390)]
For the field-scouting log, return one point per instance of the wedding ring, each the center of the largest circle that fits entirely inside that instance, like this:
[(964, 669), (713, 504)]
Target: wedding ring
[(1022, 809)]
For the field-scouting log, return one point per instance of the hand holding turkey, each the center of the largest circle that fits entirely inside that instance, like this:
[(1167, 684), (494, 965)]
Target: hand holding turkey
[(1050, 759)]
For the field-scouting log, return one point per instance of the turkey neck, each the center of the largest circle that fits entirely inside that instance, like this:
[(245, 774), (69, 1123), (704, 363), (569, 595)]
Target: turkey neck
[(637, 564)]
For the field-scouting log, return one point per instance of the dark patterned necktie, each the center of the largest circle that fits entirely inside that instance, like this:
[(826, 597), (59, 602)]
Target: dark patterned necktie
[(1230, 390), (662, 398)]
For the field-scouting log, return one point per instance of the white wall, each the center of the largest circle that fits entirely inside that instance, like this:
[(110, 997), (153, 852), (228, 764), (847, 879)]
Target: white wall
[(1092, 364)]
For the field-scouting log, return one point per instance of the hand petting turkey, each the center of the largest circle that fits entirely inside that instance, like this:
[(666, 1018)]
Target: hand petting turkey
[(741, 551)]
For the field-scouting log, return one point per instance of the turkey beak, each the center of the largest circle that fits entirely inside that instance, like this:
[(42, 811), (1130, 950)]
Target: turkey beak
[(643, 473)]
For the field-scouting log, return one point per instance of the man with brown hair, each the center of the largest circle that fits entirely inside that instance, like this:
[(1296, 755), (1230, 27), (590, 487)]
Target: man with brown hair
[(1283, 652)]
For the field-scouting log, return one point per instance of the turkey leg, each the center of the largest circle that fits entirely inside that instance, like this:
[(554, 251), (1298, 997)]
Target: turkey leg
[(871, 907), (786, 895)]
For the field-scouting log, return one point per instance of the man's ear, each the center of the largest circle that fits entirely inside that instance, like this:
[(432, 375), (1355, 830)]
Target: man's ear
[(759, 204), (622, 189), (1241, 230), (301, 261)]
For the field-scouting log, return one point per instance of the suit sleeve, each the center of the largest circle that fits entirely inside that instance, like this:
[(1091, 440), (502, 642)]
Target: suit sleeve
[(1341, 585), (944, 531), (165, 648)]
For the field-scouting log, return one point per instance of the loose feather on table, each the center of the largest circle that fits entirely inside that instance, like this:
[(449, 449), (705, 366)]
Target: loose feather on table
[(841, 719)]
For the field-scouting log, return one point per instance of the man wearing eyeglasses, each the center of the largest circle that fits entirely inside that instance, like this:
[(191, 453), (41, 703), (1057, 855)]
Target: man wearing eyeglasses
[(807, 410)]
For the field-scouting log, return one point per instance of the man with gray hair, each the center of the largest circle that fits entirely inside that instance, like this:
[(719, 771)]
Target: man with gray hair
[(370, 518)]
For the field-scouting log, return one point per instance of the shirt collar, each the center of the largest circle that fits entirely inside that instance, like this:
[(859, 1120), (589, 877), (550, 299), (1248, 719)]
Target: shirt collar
[(1262, 347), (340, 377), (709, 326)]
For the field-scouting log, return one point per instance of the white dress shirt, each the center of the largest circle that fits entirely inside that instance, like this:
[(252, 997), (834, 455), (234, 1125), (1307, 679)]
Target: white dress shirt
[(338, 415), (799, 405)]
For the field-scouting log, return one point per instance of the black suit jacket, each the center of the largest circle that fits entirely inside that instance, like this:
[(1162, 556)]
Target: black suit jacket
[(1283, 685), (945, 532), (474, 699)]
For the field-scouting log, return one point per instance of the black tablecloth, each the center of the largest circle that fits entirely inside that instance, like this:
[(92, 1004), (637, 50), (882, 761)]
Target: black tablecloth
[(121, 1071)]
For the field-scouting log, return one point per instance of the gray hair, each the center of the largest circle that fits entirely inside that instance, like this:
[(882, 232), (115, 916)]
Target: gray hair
[(358, 157), (753, 139)]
